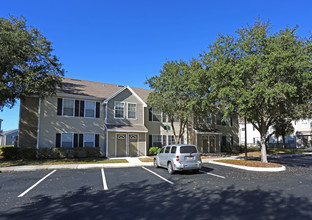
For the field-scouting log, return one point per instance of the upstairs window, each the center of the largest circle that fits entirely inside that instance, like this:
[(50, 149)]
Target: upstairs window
[(119, 110), (205, 119), (154, 114), (89, 109), (227, 121), (68, 107), (132, 110)]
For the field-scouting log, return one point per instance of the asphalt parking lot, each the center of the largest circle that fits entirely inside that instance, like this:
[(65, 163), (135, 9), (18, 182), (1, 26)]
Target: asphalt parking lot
[(216, 192)]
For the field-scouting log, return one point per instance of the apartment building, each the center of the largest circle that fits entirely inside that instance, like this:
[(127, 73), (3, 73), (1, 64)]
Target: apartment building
[(114, 118)]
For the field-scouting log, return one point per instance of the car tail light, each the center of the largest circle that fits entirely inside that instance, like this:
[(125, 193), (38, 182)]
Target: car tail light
[(200, 157), (177, 158)]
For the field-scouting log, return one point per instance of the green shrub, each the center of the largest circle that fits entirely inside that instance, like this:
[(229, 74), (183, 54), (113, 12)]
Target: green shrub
[(3, 146), (153, 150), (14, 153)]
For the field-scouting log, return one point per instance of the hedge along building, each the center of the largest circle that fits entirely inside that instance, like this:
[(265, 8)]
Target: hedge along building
[(91, 114)]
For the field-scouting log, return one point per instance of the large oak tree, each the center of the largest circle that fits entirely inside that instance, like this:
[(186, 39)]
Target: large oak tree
[(261, 76), (27, 65)]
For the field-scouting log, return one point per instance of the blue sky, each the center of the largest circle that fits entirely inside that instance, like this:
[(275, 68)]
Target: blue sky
[(126, 42)]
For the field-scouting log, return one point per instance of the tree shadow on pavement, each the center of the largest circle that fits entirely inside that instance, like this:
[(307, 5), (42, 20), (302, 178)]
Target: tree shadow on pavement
[(163, 201)]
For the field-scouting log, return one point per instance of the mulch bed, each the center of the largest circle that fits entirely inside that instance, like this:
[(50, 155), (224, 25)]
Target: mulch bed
[(249, 163)]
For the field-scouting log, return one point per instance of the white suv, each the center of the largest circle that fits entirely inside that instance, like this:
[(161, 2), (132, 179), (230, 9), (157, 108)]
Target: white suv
[(178, 157)]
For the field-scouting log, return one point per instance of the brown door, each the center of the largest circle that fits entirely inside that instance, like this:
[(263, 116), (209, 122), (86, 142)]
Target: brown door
[(121, 145), (133, 145), (212, 144), (205, 144)]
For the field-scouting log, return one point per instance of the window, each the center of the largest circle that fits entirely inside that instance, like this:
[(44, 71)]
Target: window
[(68, 107), (243, 129), (162, 150), (89, 109), (167, 150), (220, 121), (155, 115), (67, 140), (157, 140), (173, 150), (132, 110), (201, 120), (119, 109), (253, 128), (88, 140), (205, 119), (171, 140), (188, 149)]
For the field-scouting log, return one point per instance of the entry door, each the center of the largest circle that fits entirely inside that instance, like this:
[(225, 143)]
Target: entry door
[(205, 144), (121, 145), (212, 144), (133, 145)]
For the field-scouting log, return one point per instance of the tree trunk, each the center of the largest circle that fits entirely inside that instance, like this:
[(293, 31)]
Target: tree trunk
[(264, 158), (246, 139), (277, 141), (284, 142)]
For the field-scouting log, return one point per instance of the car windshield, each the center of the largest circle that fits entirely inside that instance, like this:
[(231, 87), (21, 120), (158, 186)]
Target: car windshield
[(188, 149)]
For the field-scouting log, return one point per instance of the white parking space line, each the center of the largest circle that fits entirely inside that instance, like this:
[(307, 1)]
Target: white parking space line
[(33, 186), (212, 174), (158, 175), (104, 179)]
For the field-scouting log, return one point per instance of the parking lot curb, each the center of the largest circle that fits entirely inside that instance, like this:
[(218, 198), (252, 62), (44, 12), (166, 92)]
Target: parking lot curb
[(72, 166), (257, 169)]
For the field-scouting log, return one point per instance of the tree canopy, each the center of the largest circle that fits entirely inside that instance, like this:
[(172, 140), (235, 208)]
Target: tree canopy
[(176, 92), (27, 66), (260, 76)]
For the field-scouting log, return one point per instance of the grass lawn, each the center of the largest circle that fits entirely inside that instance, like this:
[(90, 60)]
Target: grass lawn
[(6, 163), (147, 159), (249, 163)]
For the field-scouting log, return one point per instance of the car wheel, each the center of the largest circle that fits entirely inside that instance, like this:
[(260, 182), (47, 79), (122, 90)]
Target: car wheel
[(170, 168), (155, 163)]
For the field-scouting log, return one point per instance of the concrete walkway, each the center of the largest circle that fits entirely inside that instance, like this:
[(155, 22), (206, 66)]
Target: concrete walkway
[(132, 162)]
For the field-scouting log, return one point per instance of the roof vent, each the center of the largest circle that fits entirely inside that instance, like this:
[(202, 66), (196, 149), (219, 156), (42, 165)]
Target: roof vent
[(120, 85)]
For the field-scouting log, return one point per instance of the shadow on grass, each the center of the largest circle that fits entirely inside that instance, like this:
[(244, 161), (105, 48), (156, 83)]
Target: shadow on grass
[(162, 201)]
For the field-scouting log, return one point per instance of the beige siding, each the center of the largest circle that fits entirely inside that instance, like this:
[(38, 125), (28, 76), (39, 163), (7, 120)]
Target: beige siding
[(127, 97), (231, 130), (157, 127), (51, 123), (28, 122)]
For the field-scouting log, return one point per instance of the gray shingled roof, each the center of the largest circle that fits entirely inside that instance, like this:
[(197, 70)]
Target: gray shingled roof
[(97, 89)]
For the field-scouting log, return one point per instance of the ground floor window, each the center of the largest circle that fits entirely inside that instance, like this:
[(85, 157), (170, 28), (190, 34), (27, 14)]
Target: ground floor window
[(89, 140), (172, 141), (227, 141), (67, 140)]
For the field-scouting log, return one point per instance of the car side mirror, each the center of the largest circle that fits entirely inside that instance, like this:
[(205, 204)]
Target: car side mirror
[(158, 151)]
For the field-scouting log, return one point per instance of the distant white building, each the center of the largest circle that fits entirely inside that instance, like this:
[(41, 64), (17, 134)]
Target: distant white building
[(301, 138), (9, 137)]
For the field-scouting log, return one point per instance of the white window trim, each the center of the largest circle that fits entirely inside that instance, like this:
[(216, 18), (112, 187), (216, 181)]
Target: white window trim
[(63, 108), (72, 138), (84, 138), (115, 109), (86, 109), (136, 110)]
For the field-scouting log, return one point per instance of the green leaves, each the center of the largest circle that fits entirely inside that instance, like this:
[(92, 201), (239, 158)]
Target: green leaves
[(27, 65)]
